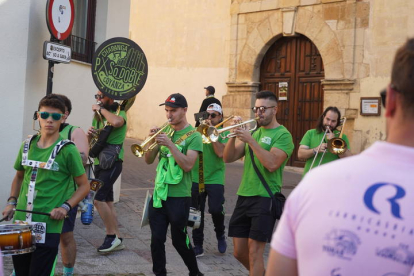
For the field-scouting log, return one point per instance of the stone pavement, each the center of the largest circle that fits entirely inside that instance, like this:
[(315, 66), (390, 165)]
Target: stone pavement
[(135, 259)]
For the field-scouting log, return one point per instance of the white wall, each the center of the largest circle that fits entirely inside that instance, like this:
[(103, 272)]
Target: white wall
[(23, 72)]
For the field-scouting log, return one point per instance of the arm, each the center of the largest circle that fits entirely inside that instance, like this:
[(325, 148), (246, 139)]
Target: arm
[(14, 191), (272, 159), (279, 264), (233, 151), (81, 142), (83, 189), (185, 161), (113, 119), (218, 148)]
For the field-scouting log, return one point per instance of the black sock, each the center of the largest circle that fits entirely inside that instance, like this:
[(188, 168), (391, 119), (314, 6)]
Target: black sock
[(111, 236)]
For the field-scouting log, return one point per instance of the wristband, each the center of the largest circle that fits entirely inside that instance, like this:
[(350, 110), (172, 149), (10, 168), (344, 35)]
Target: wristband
[(65, 205), (100, 108), (12, 197), (14, 203)]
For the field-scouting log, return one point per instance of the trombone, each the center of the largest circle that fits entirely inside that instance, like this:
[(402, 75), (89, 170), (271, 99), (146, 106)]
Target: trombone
[(213, 133), (335, 146), (203, 128), (141, 149)]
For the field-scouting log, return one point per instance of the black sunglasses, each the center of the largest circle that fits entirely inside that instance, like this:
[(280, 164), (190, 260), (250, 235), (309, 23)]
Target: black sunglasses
[(99, 97), (261, 108), (212, 115), (383, 95)]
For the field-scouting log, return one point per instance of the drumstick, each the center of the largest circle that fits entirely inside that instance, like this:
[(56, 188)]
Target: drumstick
[(33, 212), (3, 219)]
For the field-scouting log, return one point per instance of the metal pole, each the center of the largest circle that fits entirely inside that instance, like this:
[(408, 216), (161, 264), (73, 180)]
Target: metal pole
[(50, 71)]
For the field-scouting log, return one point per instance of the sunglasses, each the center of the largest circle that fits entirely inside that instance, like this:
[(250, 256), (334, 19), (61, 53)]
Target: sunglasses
[(99, 97), (212, 115), (261, 108), (55, 116), (383, 95)]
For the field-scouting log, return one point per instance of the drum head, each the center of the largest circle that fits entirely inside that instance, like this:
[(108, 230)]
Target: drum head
[(145, 219), (119, 68)]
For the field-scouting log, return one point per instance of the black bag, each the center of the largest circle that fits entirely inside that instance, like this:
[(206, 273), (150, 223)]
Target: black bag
[(278, 199), (101, 143), (108, 156)]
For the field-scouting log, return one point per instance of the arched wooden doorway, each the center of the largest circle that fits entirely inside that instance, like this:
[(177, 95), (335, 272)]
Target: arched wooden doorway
[(295, 61)]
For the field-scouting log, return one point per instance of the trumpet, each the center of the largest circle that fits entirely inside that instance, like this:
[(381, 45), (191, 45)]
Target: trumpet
[(141, 149), (213, 133), (203, 128)]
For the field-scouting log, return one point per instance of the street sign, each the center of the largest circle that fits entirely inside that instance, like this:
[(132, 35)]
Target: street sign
[(60, 15), (56, 52)]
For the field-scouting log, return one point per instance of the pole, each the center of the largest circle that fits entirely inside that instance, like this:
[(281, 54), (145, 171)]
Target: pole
[(50, 71)]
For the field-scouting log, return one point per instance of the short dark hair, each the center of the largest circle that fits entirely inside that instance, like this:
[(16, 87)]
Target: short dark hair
[(65, 100), (319, 123), (52, 101), (402, 76), (266, 94)]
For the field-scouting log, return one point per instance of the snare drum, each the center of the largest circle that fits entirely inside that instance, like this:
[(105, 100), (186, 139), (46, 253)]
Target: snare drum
[(16, 239)]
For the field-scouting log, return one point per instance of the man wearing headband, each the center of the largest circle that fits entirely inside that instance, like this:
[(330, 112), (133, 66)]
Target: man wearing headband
[(311, 141), (214, 172), (104, 199), (178, 148), (45, 168)]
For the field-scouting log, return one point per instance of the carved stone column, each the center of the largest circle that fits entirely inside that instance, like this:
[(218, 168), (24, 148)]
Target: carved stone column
[(240, 99)]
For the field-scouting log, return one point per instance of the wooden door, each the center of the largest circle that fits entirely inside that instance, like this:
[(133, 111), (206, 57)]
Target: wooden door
[(296, 61)]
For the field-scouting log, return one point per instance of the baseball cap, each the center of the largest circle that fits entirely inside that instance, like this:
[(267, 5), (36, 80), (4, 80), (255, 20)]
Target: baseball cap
[(215, 107), (175, 100), (210, 89)]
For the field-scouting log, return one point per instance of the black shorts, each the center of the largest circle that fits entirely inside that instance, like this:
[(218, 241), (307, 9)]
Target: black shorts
[(41, 261), (252, 218), (106, 193), (69, 223)]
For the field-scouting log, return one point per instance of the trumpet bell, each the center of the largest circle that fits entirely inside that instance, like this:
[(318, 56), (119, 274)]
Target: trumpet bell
[(137, 150), (337, 146)]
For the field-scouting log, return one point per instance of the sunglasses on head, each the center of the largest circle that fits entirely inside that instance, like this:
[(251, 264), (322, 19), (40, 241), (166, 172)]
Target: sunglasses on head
[(212, 115), (55, 116), (99, 97)]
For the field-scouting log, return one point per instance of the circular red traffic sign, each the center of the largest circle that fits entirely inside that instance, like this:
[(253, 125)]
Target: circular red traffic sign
[(60, 15)]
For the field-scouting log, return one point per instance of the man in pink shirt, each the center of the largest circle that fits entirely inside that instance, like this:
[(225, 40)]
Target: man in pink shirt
[(355, 216)]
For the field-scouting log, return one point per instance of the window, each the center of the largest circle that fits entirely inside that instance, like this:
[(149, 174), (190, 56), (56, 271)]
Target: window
[(83, 32)]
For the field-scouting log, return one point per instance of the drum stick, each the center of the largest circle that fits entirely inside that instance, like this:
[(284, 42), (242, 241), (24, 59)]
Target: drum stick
[(33, 212), (3, 219)]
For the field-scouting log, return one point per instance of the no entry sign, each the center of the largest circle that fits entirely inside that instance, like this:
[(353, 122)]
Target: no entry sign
[(60, 15)]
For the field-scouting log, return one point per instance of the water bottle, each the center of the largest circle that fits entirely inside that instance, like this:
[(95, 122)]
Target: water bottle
[(87, 203)]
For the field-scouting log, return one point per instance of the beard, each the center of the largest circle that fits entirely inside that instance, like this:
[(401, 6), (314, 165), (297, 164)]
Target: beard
[(111, 107)]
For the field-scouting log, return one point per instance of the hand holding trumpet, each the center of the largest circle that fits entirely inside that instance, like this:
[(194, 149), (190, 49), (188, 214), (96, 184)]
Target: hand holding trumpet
[(241, 132)]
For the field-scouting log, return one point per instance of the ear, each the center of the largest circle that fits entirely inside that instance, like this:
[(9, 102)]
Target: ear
[(390, 102)]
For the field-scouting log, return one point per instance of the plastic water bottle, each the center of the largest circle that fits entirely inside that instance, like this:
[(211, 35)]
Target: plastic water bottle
[(87, 208)]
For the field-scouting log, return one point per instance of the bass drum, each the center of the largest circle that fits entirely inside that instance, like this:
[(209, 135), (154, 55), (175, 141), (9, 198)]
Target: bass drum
[(16, 239)]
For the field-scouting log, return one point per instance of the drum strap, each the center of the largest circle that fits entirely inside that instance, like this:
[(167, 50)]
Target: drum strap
[(36, 165), (201, 186)]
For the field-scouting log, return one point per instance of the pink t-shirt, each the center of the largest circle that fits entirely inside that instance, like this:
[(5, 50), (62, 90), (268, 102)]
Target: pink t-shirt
[(353, 216)]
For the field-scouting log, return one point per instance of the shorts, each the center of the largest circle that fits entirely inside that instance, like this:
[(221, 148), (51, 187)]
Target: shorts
[(252, 218), (41, 261), (69, 222), (106, 193)]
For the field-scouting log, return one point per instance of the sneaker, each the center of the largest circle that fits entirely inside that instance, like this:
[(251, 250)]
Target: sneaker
[(109, 244), (198, 251), (121, 246), (222, 244)]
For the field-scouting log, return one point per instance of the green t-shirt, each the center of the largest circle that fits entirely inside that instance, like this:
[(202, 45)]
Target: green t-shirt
[(194, 142), (250, 185), (117, 135), (53, 187), (312, 139), (214, 167), (65, 131)]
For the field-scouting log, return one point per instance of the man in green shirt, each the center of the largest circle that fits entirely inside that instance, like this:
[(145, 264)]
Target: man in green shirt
[(311, 141), (45, 168), (178, 148), (214, 173), (104, 198), (252, 222)]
